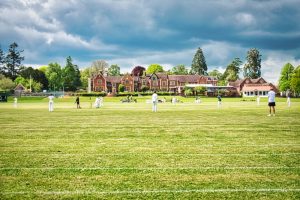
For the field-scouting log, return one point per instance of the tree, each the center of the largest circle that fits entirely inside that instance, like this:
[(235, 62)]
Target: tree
[(114, 70), (54, 76), (179, 70), (285, 77), (98, 66), (199, 65), (29, 84), (121, 88), (295, 81), (252, 69), (188, 92), (71, 75), (36, 74), (13, 61), (6, 83), (2, 61), (215, 73), (232, 71), (84, 75), (138, 71), (154, 68), (200, 90)]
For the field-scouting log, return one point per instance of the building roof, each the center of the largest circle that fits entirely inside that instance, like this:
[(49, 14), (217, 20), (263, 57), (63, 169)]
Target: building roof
[(113, 79), (20, 87), (184, 78), (259, 87)]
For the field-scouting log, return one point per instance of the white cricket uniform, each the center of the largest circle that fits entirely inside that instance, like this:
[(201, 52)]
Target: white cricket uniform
[(51, 106), (271, 96), (154, 102)]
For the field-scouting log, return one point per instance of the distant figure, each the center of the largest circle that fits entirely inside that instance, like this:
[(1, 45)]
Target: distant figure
[(258, 100), (173, 100), (77, 101), (51, 103), (288, 100), (271, 102), (15, 102), (154, 102), (197, 100), (219, 101), (97, 102)]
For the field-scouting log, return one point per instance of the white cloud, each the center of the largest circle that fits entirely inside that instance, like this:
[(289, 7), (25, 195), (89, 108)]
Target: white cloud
[(245, 19), (273, 63)]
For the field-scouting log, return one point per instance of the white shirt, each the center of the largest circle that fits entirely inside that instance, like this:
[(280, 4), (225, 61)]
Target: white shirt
[(271, 96), (154, 97), (51, 98)]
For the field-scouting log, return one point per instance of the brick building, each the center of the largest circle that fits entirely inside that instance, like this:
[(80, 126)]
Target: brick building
[(156, 81)]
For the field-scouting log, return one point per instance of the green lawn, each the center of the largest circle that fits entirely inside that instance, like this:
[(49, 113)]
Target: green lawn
[(124, 151)]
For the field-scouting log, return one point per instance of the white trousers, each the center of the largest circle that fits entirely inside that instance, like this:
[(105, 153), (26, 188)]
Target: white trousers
[(154, 107), (51, 106), (289, 101)]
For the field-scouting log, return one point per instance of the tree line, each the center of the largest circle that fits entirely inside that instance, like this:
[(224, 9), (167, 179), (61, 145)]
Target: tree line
[(71, 78)]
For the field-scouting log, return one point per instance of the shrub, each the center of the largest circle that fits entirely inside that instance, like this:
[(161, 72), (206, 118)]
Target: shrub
[(121, 88)]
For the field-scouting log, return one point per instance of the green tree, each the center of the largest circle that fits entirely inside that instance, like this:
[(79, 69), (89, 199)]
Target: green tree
[(6, 83), (114, 70), (54, 76), (13, 61), (179, 70), (215, 73), (154, 68), (200, 90), (188, 92), (29, 83), (232, 71), (295, 81), (252, 68), (36, 74), (199, 64), (71, 75), (121, 88), (285, 77), (84, 75)]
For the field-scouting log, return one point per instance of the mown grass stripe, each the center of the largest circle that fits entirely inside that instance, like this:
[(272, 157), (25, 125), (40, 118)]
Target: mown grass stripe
[(153, 168), (78, 192), (155, 153)]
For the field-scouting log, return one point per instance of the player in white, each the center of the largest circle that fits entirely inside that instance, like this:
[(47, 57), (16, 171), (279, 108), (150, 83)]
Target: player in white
[(288, 100), (154, 101), (15, 102), (97, 102), (51, 103), (271, 102), (174, 100), (258, 100)]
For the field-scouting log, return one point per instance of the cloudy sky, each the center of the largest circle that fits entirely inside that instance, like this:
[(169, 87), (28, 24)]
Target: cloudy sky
[(141, 32)]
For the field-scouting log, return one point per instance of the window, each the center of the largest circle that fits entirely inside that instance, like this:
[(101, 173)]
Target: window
[(154, 78), (164, 83), (99, 81), (144, 82), (155, 83), (126, 82), (172, 82)]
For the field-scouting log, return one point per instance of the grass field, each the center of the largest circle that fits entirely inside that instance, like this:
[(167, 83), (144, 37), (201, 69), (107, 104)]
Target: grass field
[(124, 151)]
